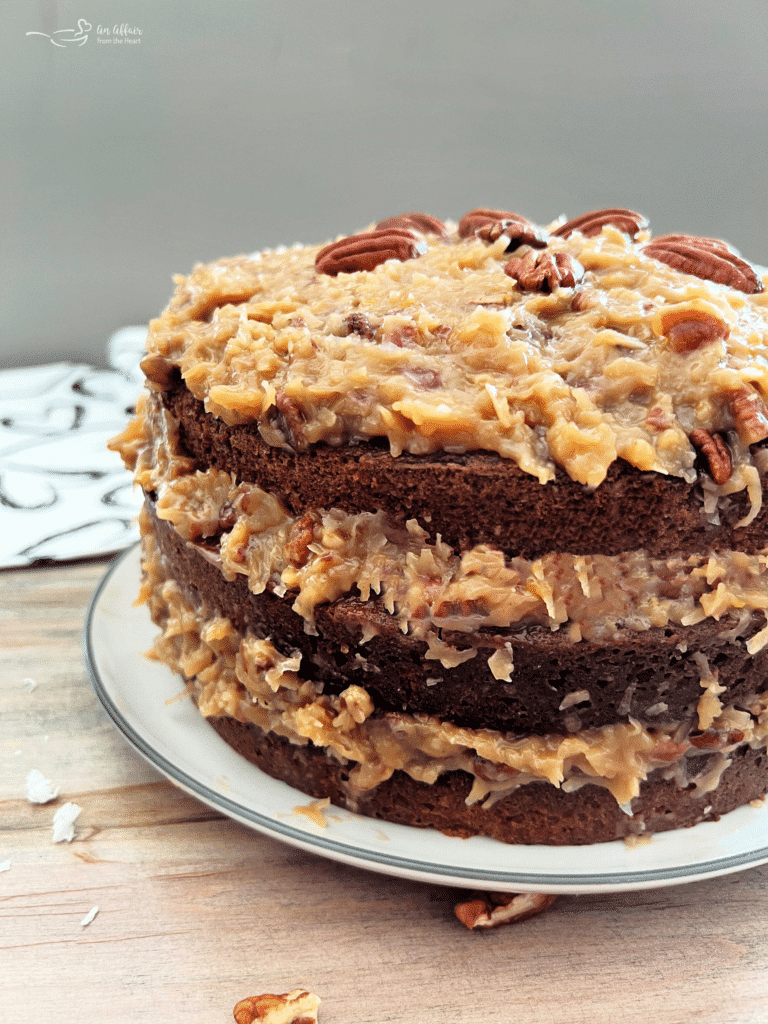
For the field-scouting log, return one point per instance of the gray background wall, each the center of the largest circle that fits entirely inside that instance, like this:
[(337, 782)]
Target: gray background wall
[(239, 124)]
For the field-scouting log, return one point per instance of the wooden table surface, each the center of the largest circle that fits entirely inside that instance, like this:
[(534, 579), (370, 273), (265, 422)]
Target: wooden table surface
[(196, 912)]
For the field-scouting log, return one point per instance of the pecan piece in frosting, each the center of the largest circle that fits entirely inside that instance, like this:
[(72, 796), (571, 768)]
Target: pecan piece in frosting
[(544, 271), (658, 419), (300, 537), (367, 250), (421, 222), (285, 424), (582, 300), (296, 1007), (750, 414), (590, 224), (707, 258), (227, 516), (159, 371), (502, 908), (715, 452), (358, 323), (492, 224), (689, 329)]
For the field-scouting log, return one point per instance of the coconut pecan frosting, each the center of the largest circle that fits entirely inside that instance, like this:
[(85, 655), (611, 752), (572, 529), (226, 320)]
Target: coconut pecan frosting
[(567, 345)]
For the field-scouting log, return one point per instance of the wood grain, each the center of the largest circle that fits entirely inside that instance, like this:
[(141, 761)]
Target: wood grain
[(197, 912)]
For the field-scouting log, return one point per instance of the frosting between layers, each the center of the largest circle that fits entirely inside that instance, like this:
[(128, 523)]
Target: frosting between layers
[(250, 680), (453, 356), (324, 555)]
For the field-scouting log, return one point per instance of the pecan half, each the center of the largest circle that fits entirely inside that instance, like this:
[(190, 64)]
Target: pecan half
[(296, 1007), (715, 452), (502, 908), (690, 329), (544, 271), (421, 222), (750, 414), (590, 224), (367, 250), (707, 258), (492, 224)]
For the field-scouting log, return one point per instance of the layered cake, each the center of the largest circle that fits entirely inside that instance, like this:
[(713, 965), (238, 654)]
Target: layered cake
[(463, 525)]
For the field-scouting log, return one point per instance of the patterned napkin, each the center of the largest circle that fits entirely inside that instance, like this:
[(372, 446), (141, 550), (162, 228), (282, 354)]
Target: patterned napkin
[(63, 495)]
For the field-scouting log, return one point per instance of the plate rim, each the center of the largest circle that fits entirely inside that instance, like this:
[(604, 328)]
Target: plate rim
[(387, 863)]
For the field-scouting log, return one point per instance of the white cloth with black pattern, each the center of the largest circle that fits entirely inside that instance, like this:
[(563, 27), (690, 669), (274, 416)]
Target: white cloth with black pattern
[(63, 494)]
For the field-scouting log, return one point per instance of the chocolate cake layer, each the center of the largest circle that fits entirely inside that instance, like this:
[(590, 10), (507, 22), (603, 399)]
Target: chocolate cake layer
[(475, 498), (651, 676), (534, 813)]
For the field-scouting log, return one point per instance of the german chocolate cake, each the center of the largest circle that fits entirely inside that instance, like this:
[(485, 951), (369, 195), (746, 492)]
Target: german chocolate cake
[(464, 525)]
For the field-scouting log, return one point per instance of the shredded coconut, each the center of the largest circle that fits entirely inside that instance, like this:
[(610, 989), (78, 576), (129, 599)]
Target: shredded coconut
[(657, 709), (759, 640), (64, 823), (89, 917), (501, 663), (579, 697), (39, 789)]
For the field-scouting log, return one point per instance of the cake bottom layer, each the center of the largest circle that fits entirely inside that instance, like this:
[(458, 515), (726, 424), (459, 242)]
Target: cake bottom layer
[(534, 813)]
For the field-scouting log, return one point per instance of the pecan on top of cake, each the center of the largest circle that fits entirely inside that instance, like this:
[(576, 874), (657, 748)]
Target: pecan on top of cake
[(591, 343)]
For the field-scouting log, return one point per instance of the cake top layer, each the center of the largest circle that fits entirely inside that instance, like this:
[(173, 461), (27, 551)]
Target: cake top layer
[(571, 345)]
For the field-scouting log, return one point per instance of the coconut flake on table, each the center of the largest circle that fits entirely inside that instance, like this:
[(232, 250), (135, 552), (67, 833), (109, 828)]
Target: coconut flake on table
[(89, 917), (5, 865), (64, 823), (39, 789), (29, 684)]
